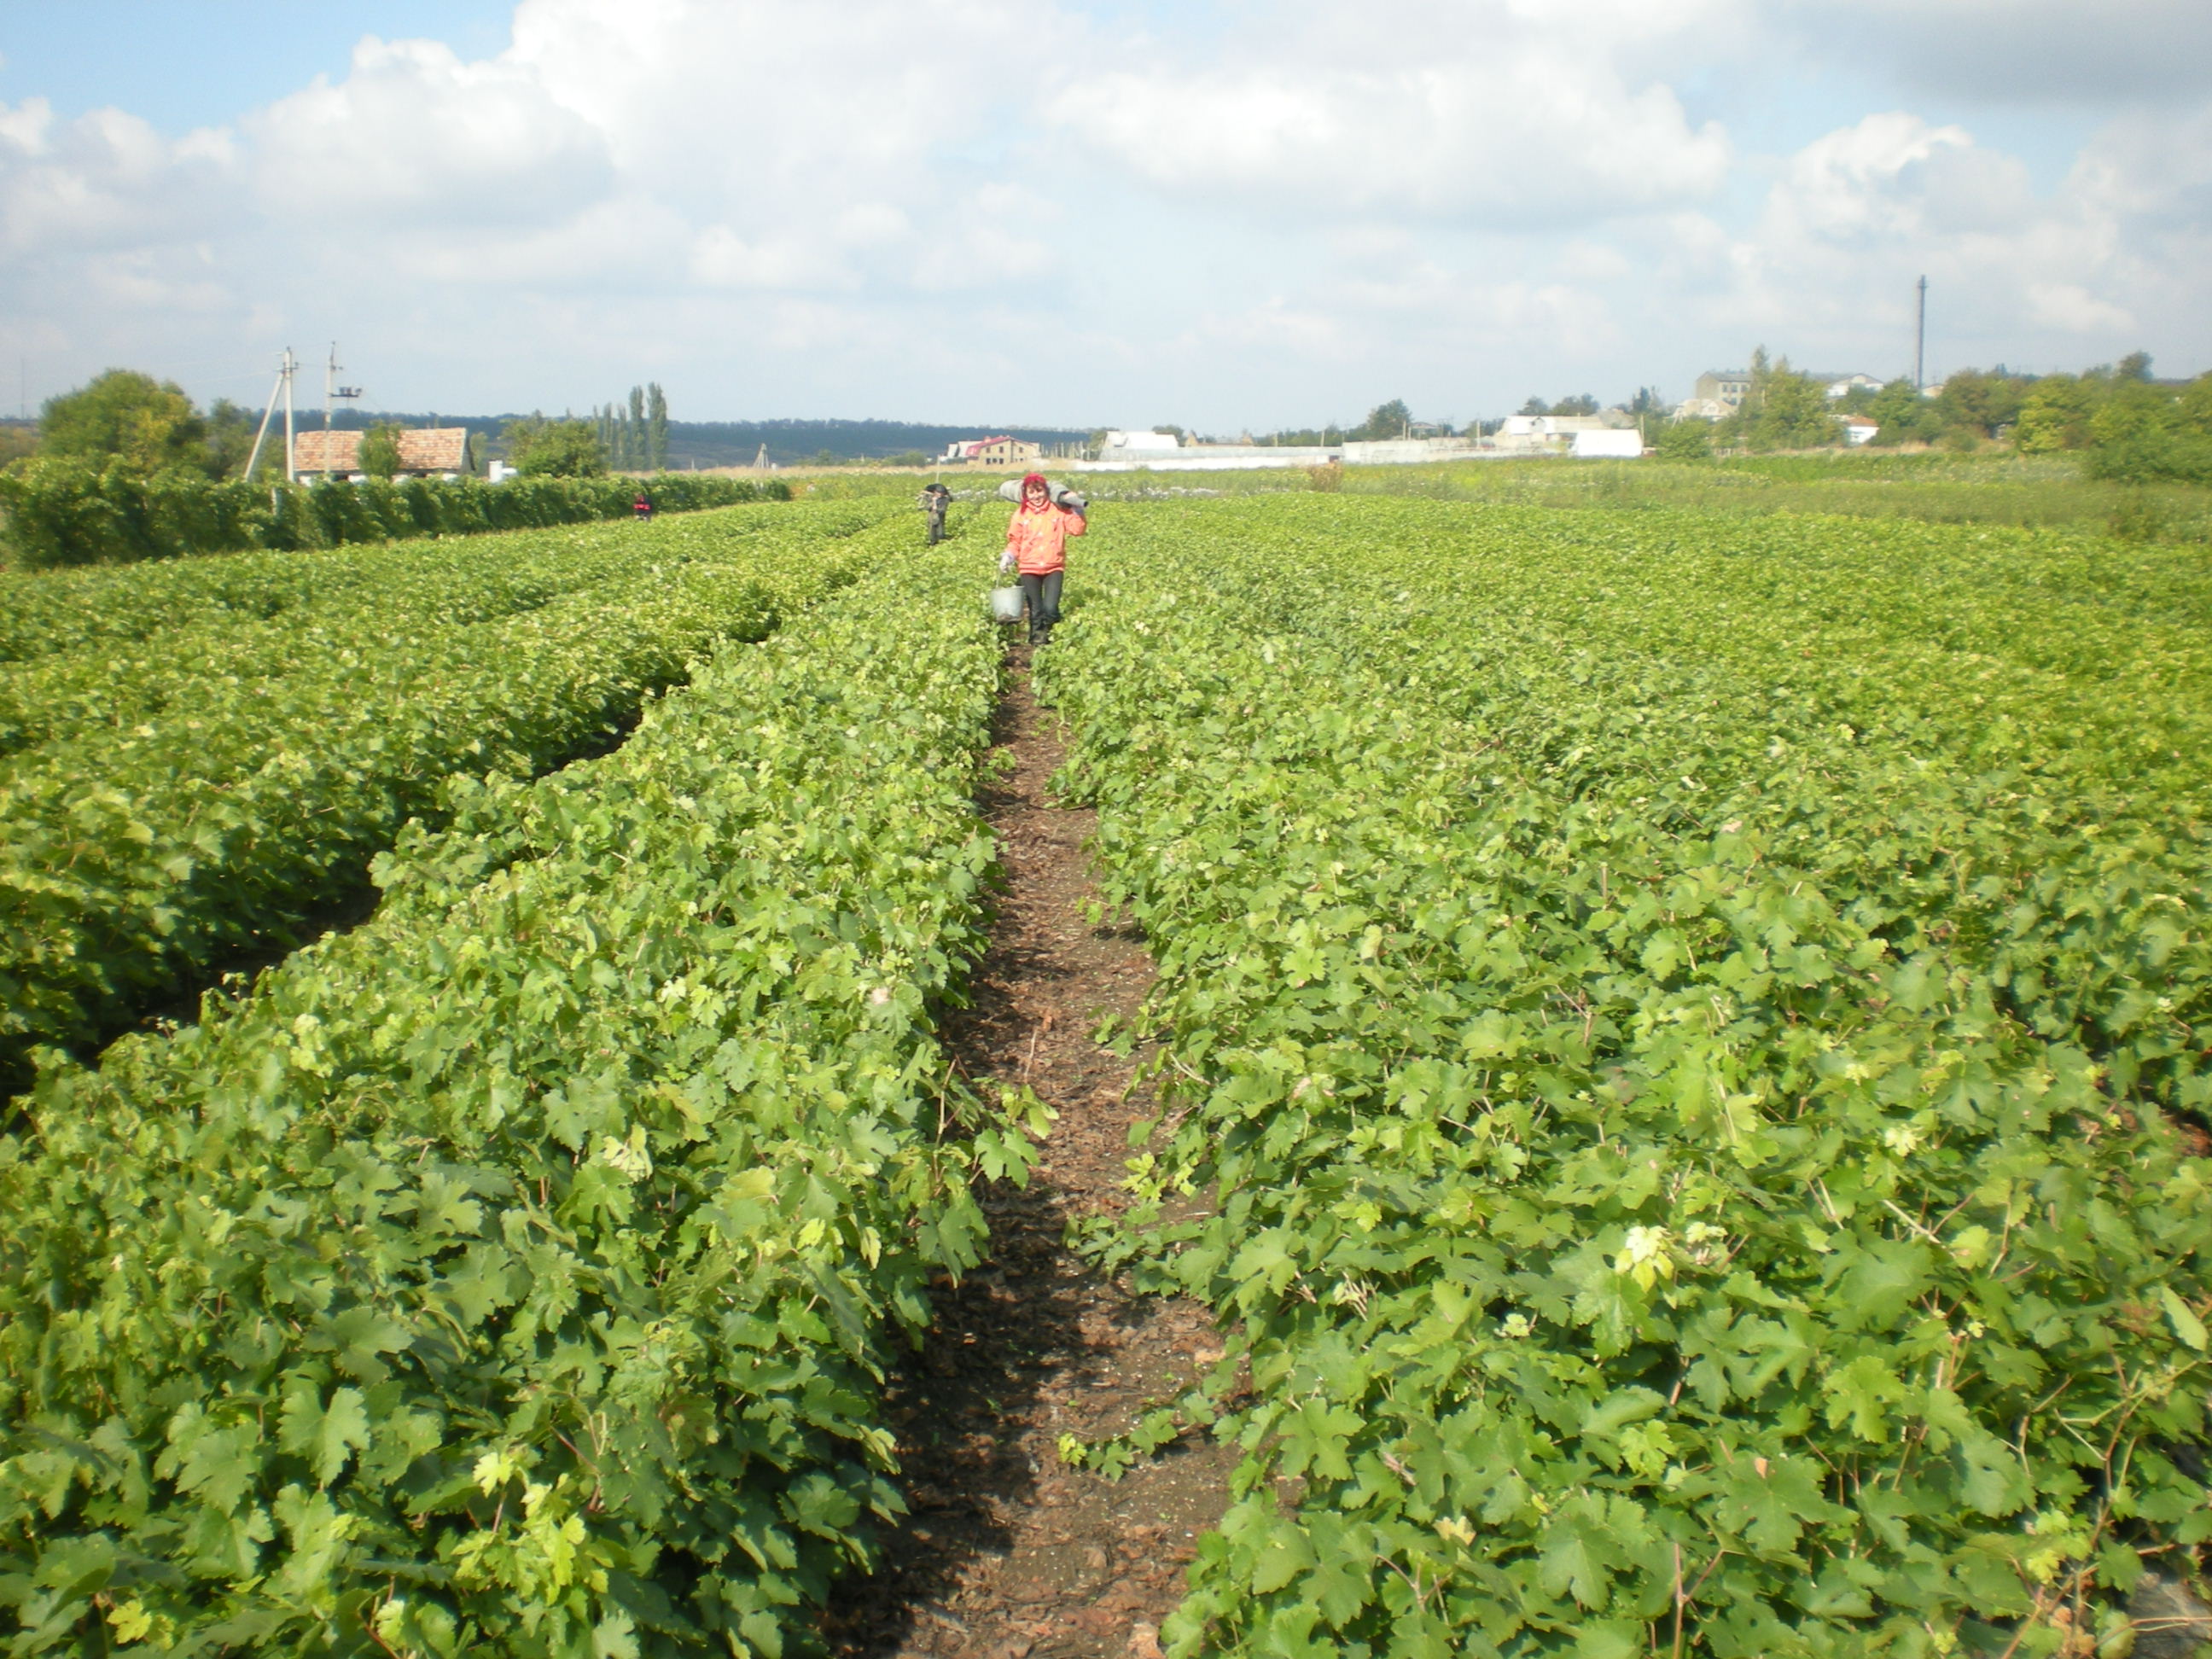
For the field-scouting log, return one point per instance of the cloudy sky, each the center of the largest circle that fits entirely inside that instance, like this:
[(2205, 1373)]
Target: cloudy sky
[(1220, 213)]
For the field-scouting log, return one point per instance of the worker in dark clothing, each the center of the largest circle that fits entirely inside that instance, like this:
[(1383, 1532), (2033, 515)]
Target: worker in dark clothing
[(642, 507), (935, 499)]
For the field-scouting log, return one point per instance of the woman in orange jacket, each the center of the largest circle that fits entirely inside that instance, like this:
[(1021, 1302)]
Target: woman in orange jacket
[(1036, 546)]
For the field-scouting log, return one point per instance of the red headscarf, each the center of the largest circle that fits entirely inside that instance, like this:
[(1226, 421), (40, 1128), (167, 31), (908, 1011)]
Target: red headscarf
[(1029, 479)]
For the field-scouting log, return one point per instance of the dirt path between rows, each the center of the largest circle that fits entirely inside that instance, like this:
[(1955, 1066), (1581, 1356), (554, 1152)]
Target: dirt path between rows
[(1010, 1555)]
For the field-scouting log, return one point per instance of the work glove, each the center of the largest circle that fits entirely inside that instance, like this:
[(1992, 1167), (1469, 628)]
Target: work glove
[(1006, 562)]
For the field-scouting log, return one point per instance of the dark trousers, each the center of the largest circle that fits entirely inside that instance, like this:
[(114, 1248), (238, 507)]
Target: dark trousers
[(936, 528), (1041, 596)]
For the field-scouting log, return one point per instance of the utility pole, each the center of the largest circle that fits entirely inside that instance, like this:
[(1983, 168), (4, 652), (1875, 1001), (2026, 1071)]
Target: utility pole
[(291, 451), (282, 387), (1920, 343), (333, 393)]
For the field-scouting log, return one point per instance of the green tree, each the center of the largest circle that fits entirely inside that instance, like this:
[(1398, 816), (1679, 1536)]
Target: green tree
[(1980, 403), (1781, 409), (1690, 440), (2055, 415), (229, 437), (656, 428), (2193, 406), (541, 448), (1648, 402), (1384, 422), (1535, 406), (379, 455), (1902, 413), (1581, 403), (150, 425), (2144, 432), (1793, 411)]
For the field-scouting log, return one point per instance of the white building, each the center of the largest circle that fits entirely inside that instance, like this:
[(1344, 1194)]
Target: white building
[(1558, 426), (1126, 446)]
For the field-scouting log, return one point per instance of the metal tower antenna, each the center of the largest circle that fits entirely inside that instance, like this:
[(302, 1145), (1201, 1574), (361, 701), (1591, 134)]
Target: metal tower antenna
[(1920, 343)]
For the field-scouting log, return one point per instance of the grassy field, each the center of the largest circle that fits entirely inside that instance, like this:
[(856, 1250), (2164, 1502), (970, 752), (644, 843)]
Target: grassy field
[(2029, 491), (1680, 1039)]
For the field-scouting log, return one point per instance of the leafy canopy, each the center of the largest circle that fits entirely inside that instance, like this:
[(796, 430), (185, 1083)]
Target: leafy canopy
[(1384, 421), (537, 447), (122, 415), (379, 450)]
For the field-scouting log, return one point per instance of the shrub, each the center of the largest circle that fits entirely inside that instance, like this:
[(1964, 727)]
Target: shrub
[(67, 512)]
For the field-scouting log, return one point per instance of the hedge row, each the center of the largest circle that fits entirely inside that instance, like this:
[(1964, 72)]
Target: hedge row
[(516, 1275), (62, 513), (140, 856)]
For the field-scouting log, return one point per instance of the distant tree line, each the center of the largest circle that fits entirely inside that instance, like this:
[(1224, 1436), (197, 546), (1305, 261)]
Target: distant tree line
[(2125, 424)]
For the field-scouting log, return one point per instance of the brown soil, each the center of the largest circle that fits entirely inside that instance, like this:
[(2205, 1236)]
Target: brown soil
[(1008, 1551)]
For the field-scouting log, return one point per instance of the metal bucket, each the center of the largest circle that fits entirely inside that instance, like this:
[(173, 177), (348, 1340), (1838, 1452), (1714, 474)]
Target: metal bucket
[(1007, 604)]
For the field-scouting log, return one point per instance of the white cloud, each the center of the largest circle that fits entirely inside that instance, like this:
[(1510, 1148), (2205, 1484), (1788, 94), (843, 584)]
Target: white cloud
[(416, 136), (2019, 51), (1858, 214), (105, 179), (1252, 215), (1504, 115), (1892, 178), (2072, 309)]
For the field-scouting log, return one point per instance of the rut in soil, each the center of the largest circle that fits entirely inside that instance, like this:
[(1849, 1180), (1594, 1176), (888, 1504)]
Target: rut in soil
[(1008, 1553)]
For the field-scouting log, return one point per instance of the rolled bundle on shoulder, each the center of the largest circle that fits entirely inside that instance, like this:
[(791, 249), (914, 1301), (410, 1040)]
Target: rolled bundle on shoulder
[(1074, 501)]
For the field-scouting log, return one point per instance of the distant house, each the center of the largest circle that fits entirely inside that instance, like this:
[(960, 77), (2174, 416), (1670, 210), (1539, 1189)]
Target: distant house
[(331, 454), (1841, 385), (1720, 391), (992, 452), (427, 451), (1858, 429), (1563, 426), (436, 449)]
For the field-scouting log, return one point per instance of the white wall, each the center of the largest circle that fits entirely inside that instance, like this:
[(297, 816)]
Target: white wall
[(1624, 443)]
